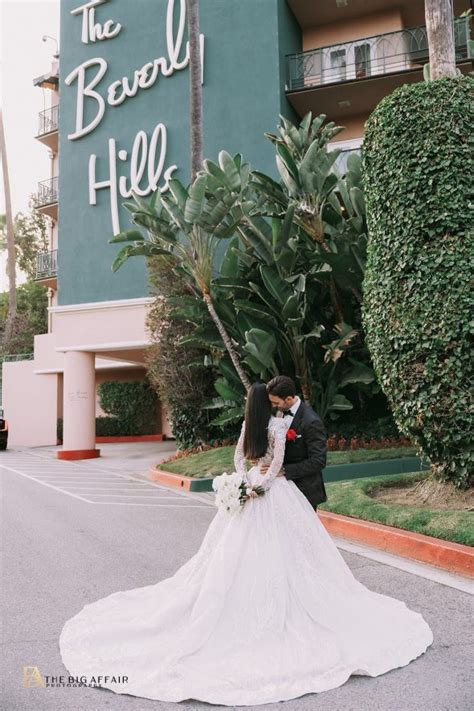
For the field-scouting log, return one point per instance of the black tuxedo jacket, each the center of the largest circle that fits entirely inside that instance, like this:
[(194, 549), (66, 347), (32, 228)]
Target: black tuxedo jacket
[(305, 457)]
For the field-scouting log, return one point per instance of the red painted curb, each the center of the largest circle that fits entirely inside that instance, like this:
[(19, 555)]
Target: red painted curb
[(449, 556), (131, 438), (177, 480), (78, 453), (446, 555)]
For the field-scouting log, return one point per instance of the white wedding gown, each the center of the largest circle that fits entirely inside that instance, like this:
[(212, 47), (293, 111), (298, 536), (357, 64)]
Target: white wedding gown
[(266, 610)]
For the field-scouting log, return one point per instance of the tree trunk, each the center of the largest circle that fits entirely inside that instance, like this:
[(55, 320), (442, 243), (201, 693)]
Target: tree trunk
[(305, 390), (195, 88), (11, 264), (227, 341), (440, 31)]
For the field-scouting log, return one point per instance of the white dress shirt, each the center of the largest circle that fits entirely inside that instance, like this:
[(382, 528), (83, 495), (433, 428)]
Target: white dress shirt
[(289, 415)]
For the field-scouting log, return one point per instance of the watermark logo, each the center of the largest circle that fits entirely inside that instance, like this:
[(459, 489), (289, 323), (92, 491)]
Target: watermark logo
[(32, 678)]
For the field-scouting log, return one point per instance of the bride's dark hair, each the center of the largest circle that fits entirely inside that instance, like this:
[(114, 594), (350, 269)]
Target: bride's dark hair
[(258, 410)]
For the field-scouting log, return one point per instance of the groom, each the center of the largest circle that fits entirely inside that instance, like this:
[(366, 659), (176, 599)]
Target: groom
[(306, 445)]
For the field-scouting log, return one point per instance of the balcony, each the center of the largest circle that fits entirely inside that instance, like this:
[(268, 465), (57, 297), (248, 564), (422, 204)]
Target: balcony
[(48, 127), (47, 268), (351, 78), (46, 199), (310, 13)]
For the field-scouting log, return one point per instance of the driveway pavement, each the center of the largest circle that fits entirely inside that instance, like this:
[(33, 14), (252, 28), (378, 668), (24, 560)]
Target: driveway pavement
[(73, 532)]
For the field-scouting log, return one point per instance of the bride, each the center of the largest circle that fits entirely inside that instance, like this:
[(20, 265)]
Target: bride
[(266, 610)]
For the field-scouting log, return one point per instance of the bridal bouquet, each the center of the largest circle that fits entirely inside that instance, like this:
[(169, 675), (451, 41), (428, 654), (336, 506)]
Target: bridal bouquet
[(232, 491)]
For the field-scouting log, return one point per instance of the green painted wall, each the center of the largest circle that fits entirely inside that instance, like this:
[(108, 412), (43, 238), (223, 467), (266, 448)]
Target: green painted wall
[(245, 45)]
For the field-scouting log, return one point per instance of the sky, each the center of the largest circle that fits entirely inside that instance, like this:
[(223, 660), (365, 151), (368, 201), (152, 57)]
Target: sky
[(25, 56)]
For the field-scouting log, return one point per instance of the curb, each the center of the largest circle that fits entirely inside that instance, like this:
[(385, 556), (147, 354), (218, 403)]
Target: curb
[(131, 438), (445, 555), (72, 454), (452, 557), (185, 483)]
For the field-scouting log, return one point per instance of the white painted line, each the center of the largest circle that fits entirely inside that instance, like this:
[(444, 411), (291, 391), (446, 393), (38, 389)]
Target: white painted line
[(410, 566), (170, 506), (171, 494), (107, 488), (129, 477), (54, 479), (116, 487), (151, 495), (75, 496)]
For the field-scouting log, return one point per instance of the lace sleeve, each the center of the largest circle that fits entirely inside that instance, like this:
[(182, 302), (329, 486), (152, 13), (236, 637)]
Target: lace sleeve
[(239, 457), (279, 443)]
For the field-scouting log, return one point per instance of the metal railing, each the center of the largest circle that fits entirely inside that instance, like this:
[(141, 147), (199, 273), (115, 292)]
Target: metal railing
[(369, 56), (47, 192), (46, 264), (48, 120)]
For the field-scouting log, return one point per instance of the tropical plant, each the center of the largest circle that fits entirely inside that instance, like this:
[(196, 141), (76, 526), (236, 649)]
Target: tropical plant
[(301, 255), (185, 226), (288, 291)]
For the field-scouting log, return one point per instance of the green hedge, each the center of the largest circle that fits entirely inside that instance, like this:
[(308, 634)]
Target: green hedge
[(417, 158), (105, 427), (382, 428), (131, 408), (134, 404)]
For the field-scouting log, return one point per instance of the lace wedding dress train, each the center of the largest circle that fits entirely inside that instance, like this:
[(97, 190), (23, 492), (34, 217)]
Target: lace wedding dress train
[(266, 610)]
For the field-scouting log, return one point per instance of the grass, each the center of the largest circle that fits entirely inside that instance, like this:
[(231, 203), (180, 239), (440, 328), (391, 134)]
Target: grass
[(352, 498), (215, 461)]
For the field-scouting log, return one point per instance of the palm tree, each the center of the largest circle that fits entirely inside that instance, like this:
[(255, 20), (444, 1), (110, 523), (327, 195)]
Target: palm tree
[(183, 225), (440, 31), (195, 88), (11, 263)]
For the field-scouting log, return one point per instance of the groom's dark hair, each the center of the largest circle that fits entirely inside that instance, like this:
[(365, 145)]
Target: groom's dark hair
[(281, 386)]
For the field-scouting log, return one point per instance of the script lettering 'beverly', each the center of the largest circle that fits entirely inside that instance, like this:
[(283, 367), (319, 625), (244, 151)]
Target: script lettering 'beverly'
[(143, 78)]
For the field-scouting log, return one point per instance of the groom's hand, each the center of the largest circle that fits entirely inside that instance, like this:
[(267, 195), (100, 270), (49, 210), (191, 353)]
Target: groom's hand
[(264, 469)]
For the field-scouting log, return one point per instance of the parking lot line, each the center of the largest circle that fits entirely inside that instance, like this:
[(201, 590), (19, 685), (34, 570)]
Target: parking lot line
[(75, 479)]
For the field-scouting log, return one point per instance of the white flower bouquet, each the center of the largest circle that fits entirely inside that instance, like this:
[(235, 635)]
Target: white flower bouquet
[(232, 491)]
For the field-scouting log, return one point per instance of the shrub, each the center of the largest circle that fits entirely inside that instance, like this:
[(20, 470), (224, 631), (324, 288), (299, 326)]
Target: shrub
[(417, 168), (176, 371), (104, 427), (134, 404)]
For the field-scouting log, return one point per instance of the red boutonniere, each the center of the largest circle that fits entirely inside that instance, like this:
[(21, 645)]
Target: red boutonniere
[(291, 435)]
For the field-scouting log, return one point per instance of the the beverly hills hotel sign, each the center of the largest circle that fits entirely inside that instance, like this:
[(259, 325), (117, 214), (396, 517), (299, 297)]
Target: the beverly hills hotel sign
[(146, 160)]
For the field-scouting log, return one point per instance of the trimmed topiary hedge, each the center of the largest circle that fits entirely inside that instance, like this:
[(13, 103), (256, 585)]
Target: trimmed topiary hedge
[(133, 403), (417, 159), (104, 427)]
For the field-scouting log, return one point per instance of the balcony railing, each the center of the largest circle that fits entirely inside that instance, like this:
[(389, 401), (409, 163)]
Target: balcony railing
[(48, 120), (47, 192), (47, 264), (371, 56)]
